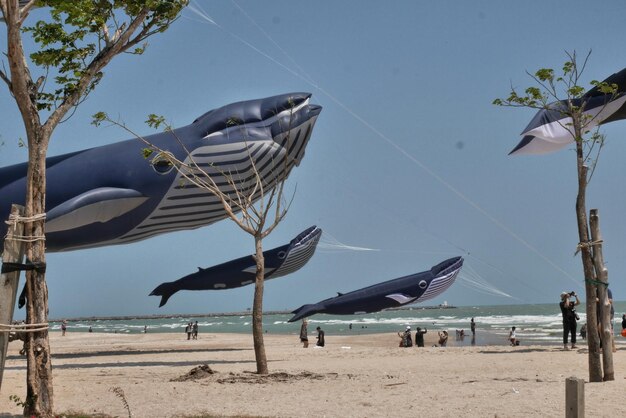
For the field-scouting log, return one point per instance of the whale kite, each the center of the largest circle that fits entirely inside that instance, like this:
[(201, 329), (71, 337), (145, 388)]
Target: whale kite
[(279, 262), (390, 294), (112, 195), (550, 129)]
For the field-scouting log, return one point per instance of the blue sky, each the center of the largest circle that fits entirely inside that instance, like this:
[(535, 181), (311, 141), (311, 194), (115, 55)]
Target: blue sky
[(408, 157)]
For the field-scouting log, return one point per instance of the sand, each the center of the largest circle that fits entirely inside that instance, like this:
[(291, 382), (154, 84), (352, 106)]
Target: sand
[(353, 376)]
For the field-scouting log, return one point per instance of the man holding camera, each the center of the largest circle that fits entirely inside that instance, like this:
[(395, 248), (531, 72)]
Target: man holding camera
[(568, 310)]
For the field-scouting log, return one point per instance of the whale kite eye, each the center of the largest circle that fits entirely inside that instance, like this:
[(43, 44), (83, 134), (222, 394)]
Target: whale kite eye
[(162, 166), (282, 254), (422, 284)]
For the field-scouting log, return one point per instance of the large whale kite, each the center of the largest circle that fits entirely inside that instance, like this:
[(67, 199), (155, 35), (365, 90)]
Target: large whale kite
[(550, 130), (279, 262), (390, 294), (112, 195)]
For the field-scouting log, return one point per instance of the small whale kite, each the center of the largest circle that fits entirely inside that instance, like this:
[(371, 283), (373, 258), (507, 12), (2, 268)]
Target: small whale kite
[(279, 262), (112, 195), (390, 294), (550, 129)]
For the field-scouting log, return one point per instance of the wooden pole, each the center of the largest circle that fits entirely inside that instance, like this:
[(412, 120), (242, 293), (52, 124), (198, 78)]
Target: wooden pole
[(602, 275), (574, 397), (13, 253)]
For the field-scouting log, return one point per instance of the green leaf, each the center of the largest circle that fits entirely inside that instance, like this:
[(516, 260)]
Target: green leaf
[(233, 121), (155, 121), (147, 152), (98, 118), (545, 74)]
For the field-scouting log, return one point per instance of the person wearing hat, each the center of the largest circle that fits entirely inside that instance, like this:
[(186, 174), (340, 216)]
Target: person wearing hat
[(569, 317), (406, 340)]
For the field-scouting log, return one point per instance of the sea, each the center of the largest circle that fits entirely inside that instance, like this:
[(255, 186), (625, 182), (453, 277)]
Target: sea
[(535, 324)]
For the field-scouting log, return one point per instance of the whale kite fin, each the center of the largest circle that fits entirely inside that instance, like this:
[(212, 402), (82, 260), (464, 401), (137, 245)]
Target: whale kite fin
[(401, 298), (165, 290), (97, 205), (304, 311)]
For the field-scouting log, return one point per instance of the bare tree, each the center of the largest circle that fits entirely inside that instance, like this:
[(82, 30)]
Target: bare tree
[(256, 205), (565, 95), (78, 41)]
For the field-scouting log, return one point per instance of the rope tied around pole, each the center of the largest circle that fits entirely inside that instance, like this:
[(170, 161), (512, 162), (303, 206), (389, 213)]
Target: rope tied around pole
[(15, 219), (8, 267), (596, 282), (587, 244), (4, 328)]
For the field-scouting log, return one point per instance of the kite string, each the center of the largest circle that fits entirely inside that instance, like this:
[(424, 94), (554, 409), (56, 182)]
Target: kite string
[(401, 150), (472, 277), (330, 242)]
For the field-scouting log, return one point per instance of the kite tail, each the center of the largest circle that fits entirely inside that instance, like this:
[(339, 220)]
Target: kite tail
[(165, 290), (304, 311)]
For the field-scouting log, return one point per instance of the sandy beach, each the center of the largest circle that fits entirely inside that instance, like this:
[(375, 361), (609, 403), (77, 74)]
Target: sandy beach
[(353, 376)]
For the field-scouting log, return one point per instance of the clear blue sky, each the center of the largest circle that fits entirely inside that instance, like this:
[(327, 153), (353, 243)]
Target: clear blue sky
[(409, 156)]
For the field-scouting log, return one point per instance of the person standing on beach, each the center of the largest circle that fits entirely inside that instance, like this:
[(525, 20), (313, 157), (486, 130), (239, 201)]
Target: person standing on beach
[(473, 327), (419, 336), (195, 330), (407, 339), (569, 317), (188, 330), (512, 337), (63, 327), (304, 338), (443, 339), (320, 337)]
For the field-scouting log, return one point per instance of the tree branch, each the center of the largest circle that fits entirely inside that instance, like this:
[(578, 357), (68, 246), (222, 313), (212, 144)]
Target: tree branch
[(7, 80), (26, 10), (100, 61)]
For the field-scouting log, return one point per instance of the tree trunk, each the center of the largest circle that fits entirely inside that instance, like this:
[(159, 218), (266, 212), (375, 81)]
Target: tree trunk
[(257, 309), (606, 329), (593, 339), (39, 394)]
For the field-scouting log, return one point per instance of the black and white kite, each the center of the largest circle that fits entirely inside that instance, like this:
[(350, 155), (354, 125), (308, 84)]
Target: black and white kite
[(550, 130), (416, 287)]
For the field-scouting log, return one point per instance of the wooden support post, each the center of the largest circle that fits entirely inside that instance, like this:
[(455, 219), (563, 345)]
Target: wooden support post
[(574, 397), (602, 275), (13, 253)]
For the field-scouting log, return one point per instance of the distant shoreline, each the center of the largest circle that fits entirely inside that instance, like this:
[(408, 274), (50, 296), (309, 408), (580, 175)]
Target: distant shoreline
[(218, 314)]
